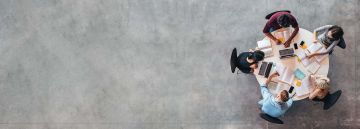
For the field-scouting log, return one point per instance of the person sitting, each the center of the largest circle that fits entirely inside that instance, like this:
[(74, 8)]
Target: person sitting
[(322, 87), (329, 36), (247, 61), (278, 20), (274, 106)]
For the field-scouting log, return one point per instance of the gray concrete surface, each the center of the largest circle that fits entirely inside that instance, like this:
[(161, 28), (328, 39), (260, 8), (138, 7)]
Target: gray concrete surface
[(156, 64)]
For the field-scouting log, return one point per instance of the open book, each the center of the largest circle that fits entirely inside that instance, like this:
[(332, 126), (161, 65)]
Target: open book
[(317, 47), (311, 64), (286, 74), (283, 35), (265, 46)]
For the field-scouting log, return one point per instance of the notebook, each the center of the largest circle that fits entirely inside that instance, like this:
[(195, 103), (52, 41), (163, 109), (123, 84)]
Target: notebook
[(313, 67), (299, 74)]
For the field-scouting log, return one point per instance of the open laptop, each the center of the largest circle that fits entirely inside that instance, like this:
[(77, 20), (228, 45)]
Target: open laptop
[(265, 69), (288, 52)]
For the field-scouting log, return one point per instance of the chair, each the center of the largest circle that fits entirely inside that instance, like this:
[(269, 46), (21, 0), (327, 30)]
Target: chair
[(233, 60), (271, 119), (331, 99), (269, 15)]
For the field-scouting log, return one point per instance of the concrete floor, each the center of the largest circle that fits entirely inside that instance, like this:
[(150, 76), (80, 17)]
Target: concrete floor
[(157, 64)]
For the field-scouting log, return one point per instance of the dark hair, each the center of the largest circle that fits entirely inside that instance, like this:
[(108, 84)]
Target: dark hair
[(337, 32), (257, 55), (284, 95), (283, 20)]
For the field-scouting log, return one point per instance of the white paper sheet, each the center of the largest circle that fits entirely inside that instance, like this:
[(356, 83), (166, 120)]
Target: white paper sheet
[(304, 88), (268, 52), (313, 67), (314, 47), (264, 44), (319, 58), (286, 75)]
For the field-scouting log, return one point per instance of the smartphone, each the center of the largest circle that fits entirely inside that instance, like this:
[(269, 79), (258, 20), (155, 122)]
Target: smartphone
[(291, 89), (302, 43), (295, 46)]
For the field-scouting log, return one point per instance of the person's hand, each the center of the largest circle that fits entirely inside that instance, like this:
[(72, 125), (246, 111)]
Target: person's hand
[(287, 44), (252, 71), (277, 41), (311, 55), (254, 66), (315, 41), (275, 74)]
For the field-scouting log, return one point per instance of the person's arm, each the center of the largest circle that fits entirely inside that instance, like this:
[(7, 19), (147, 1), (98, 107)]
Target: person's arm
[(246, 70), (269, 35), (263, 88), (289, 102), (267, 32), (328, 50), (264, 91), (317, 30), (287, 43), (322, 28), (314, 93)]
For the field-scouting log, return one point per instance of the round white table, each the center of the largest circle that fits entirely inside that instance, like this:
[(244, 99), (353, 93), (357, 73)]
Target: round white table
[(292, 62)]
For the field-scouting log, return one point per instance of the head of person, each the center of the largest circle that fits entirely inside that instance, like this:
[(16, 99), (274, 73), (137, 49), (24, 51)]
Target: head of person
[(282, 97), (283, 20), (322, 83), (335, 32), (257, 56)]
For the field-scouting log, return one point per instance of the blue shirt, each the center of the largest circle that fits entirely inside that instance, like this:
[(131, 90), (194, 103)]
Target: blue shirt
[(270, 106)]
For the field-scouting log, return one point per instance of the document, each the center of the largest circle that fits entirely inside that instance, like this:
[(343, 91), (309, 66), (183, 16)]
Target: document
[(268, 52), (281, 86), (264, 44), (313, 67), (286, 74), (303, 58), (314, 47), (311, 64), (304, 88), (320, 58)]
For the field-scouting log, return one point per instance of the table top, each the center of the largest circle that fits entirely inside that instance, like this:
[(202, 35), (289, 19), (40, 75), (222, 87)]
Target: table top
[(292, 62)]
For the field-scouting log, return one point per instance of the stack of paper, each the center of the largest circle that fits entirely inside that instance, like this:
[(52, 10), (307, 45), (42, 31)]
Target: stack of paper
[(265, 46), (286, 74)]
